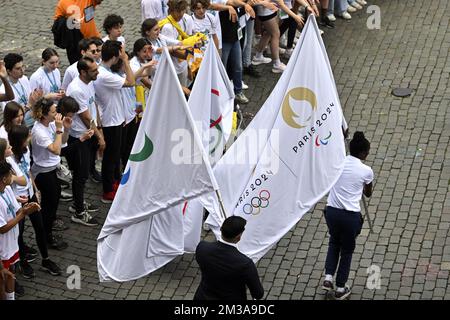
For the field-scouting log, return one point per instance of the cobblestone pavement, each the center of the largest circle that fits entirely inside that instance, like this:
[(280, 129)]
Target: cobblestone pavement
[(410, 157)]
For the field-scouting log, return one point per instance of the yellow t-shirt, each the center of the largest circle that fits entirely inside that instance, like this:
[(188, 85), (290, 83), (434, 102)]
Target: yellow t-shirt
[(83, 10)]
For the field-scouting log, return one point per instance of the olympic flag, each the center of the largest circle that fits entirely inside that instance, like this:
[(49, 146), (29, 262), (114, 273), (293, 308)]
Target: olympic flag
[(142, 232), (298, 152)]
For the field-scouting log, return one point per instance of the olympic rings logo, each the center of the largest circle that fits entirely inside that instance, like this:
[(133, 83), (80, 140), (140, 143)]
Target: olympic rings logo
[(257, 203)]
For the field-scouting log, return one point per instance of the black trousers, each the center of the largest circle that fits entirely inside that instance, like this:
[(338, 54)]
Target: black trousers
[(39, 233), (50, 188), (93, 147), (111, 157), (129, 133), (73, 54), (289, 24), (344, 226), (78, 159)]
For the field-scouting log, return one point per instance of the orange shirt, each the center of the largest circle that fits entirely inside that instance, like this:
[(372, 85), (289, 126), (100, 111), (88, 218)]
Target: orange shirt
[(81, 10)]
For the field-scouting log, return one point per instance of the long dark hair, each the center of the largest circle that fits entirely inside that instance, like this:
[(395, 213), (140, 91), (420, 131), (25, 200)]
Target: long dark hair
[(17, 137), (359, 144), (3, 146), (11, 111)]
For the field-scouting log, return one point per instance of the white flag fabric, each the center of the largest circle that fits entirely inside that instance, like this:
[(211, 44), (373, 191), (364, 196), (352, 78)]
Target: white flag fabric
[(289, 156), (167, 166), (211, 103)]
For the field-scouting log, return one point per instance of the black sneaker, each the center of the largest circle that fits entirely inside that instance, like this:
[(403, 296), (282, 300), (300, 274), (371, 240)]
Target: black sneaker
[(251, 71), (51, 267), (96, 176), (30, 250), (324, 21), (327, 285), (29, 258), (26, 270), (18, 289), (89, 207), (59, 225), (57, 243), (84, 218), (342, 295)]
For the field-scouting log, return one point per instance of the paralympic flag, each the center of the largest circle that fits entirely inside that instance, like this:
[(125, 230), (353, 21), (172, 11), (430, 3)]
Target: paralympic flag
[(167, 166), (289, 156)]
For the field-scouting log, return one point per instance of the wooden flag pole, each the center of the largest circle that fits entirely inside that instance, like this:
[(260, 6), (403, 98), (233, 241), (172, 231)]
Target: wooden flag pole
[(222, 207)]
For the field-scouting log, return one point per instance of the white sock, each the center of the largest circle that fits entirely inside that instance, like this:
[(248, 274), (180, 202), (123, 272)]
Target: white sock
[(328, 277), (10, 296), (258, 55), (276, 62), (340, 289)]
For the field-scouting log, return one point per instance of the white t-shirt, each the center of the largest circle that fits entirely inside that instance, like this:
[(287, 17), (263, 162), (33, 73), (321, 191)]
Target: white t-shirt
[(22, 92), (171, 32), (48, 82), (3, 133), (120, 39), (108, 97), (84, 94), (8, 209), (162, 41), (129, 103), (207, 25), (155, 9), (135, 65), (41, 138), (347, 191), (70, 74), (22, 168)]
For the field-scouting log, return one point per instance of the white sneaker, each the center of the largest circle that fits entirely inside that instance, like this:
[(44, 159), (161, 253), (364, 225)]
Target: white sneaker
[(244, 86), (331, 17), (278, 68), (351, 9), (282, 51), (206, 226), (257, 61), (357, 6), (346, 16), (321, 32), (362, 2)]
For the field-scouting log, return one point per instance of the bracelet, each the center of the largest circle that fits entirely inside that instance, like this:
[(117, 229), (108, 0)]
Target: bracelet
[(59, 131)]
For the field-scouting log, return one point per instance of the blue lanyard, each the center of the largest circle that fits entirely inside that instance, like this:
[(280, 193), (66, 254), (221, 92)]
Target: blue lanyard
[(22, 96), (54, 86), (23, 165), (8, 202)]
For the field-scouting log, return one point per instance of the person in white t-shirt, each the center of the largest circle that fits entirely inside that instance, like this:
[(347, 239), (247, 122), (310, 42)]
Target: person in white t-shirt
[(23, 94), (204, 22), (108, 96), (12, 115), (50, 133), (11, 213), (48, 78), (91, 48), (80, 102), (113, 25), (7, 92), (343, 215), (154, 9), (177, 13)]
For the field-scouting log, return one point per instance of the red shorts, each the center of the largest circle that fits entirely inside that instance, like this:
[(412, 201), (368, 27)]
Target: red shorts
[(8, 263)]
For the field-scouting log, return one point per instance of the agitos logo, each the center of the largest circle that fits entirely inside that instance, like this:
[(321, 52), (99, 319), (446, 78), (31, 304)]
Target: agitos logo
[(305, 94)]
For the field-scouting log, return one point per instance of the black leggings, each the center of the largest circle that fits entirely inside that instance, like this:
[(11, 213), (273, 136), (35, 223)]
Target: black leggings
[(129, 133), (50, 188), (289, 23), (39, 232)]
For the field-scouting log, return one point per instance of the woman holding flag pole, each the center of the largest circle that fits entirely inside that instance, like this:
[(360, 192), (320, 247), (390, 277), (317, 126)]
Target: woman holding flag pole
[(343, 215)]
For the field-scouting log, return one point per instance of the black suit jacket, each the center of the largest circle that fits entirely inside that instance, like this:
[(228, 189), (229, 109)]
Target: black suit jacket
[(226, 273)]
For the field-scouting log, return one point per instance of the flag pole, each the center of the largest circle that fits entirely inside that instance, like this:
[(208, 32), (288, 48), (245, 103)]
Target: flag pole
[(366, 210), (222, 207)]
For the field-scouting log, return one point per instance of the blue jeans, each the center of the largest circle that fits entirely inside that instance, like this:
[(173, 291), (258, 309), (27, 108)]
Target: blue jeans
[(249, 32), (232, 51), (337, 5), (344, 226)]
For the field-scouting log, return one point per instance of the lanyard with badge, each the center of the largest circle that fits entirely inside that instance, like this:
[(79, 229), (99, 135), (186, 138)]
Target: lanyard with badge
[(54, 87), (22, 96)]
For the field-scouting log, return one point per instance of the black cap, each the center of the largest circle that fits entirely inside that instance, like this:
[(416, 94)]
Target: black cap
[(233, 226)]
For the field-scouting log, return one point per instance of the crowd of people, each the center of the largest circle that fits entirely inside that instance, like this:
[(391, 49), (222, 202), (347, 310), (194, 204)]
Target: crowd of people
[(93, 110)]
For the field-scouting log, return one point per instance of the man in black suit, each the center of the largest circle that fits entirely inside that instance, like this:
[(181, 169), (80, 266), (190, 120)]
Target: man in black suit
[(226, 272)]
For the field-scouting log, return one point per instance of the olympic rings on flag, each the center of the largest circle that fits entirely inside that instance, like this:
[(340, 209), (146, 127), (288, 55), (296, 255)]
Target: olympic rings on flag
[(257, 203)]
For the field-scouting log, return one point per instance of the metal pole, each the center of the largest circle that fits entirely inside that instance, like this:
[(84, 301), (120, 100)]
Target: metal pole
[(366, 210), (222, 207)]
